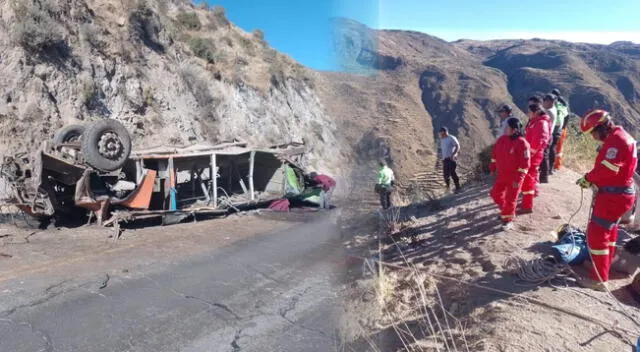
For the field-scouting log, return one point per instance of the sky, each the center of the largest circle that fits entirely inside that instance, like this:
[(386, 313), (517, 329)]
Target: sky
[(301, 28)]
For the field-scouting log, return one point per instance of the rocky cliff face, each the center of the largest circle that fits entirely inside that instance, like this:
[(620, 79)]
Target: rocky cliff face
[(172, 72)]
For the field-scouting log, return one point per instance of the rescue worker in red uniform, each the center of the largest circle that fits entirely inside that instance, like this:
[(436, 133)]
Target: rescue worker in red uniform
[(614, 194), (510, 159), (538, 136)]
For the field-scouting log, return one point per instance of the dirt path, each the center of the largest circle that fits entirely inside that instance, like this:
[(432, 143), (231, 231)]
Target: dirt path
[(255, 290), (459, 237)]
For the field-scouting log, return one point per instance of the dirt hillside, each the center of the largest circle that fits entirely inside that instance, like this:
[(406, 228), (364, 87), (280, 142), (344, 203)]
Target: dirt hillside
[(401, 87), (457, 248), (171, 71)]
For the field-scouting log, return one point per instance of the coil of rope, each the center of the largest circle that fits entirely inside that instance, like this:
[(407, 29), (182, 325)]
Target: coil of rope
[(537, 271), (541, 270)]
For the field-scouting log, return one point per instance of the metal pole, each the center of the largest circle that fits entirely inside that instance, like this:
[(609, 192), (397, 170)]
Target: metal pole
[(214, 178), (139, 171), (252, 160)]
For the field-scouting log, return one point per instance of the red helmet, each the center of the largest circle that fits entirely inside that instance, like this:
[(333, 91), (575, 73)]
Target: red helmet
[(593, 119)]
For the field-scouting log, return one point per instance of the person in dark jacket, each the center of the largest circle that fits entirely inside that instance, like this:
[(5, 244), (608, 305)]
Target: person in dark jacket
[(385, 184), (546, 168)]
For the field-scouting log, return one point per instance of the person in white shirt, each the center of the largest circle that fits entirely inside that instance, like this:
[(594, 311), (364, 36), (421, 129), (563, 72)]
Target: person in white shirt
[(505, 113), (449, 150)]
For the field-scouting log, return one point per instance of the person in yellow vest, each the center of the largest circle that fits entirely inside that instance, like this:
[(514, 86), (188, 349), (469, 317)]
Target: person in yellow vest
[(562, 107), (385, 183)]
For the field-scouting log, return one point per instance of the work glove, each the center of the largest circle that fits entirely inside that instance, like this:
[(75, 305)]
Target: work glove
[(582, 182)]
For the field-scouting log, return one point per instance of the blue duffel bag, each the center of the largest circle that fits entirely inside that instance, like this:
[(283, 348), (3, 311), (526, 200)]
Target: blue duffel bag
[(572, 245)]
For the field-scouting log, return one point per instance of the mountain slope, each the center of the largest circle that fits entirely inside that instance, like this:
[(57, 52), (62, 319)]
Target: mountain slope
[(400, 87), (590, 75), (172, 72)]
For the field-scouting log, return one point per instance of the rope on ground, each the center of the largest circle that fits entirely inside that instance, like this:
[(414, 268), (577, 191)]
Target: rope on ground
[(537, 271)]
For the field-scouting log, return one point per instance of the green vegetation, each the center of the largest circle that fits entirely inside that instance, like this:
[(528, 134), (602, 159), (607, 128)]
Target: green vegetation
[(258, 34), (148, 96), (189, 20), (203, 48), (35, 29), (220, 16), (579, 150), (89, 93)]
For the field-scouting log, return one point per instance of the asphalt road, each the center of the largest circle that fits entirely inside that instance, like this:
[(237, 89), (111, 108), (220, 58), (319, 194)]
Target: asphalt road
[(272, 292)]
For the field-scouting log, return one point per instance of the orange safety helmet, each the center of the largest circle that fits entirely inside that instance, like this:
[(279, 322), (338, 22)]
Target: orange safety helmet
[(593, 119)]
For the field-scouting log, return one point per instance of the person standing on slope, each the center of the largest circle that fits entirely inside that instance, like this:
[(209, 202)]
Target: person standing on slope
[(562, 106), (612, 176), (505, 113), (449, 149), (546, 167), (510, 158), (537, 135), (384, 184)]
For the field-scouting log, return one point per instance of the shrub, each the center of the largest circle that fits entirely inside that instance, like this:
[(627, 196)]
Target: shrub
[(227, 41), (258, 34), (189, 20), (203, 5), (247, 44), (197, 85), (35, 30), (146, 25), (484, 159), (148, 96), (270, 55), (203, 48), (220, 16), (89, 33), (278, 75), (89, 93), (579, 151)]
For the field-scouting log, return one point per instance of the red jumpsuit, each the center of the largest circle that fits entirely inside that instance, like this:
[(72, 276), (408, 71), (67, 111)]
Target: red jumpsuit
[(510, 158), (613, 176), (538, 136)]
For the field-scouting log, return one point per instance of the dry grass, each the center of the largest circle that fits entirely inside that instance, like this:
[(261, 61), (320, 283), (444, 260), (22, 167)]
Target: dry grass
[(35, 28), (405, 303), (579, 151), (189, 20)]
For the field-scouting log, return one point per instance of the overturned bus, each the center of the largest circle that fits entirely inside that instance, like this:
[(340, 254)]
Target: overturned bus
[(92, 171)]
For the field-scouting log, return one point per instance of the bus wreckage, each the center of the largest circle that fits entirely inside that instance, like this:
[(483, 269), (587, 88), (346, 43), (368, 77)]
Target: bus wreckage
[(92, 171)]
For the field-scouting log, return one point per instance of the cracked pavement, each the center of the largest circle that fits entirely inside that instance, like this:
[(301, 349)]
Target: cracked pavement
[(273, 292)]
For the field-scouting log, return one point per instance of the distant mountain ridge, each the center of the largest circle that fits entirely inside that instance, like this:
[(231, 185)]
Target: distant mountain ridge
[(414, 83)]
